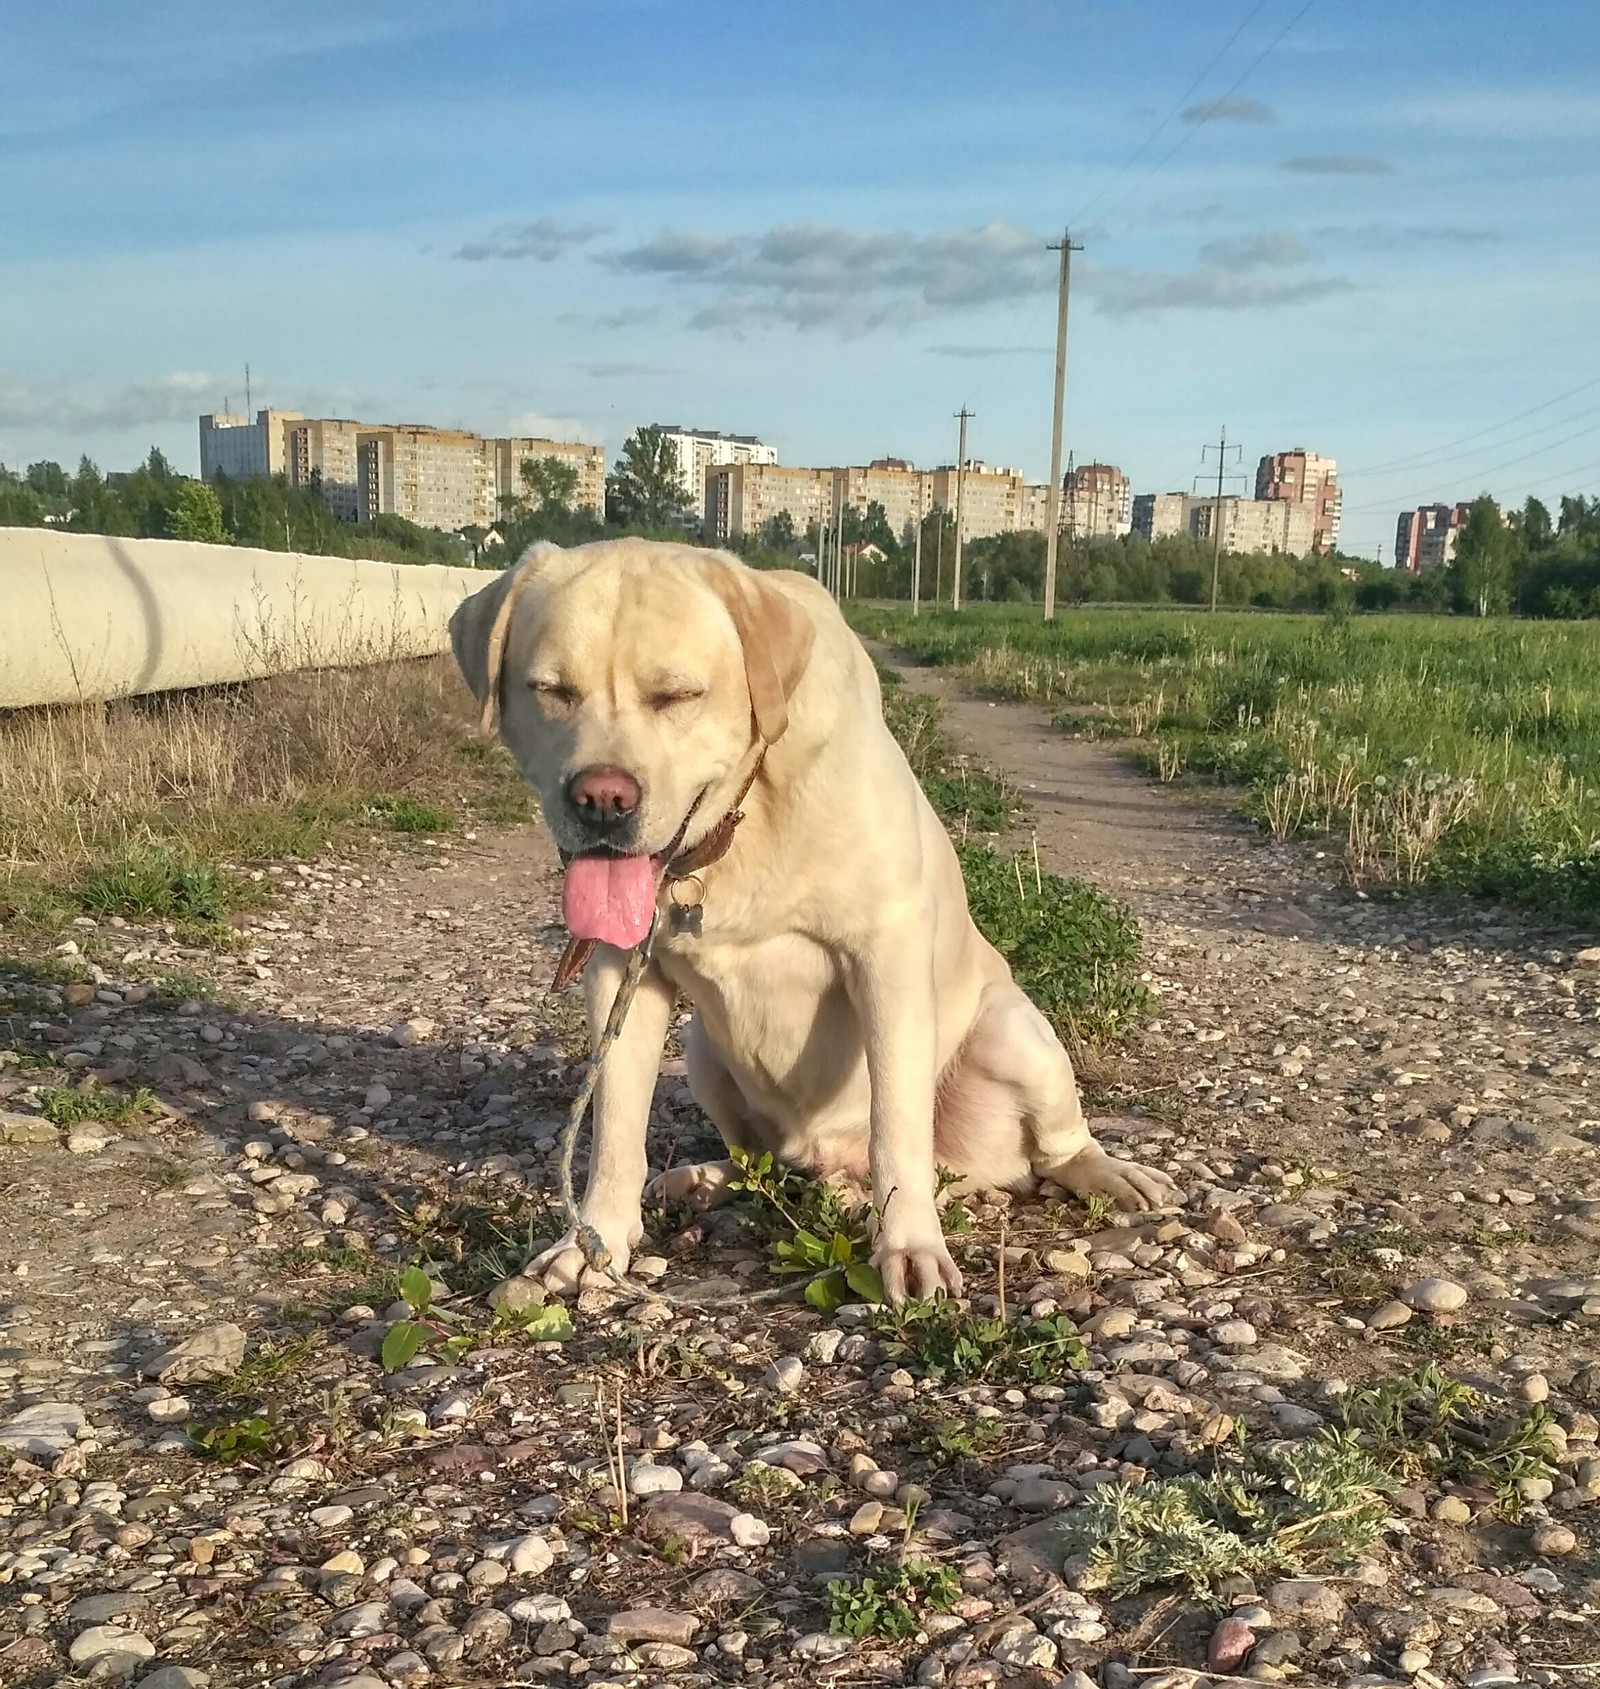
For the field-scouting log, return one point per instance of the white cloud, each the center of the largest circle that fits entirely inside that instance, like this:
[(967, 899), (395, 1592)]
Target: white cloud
[(820, 275), (1230, 108), (1270, 249), (542, 240), (1127, 293), (1338, 164), (178, 396)]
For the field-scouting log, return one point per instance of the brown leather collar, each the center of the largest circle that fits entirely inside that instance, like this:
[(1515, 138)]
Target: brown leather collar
[(712, 848)]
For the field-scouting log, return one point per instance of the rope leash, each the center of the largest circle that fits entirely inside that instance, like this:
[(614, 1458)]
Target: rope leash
[(595, 1254)]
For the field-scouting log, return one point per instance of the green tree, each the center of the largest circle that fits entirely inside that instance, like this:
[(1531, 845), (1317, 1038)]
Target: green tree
[(777, 532), (197, 514), (1537, 528), (1481, 570), (645, 489), (49, 480), (20, 506), (549, 484)]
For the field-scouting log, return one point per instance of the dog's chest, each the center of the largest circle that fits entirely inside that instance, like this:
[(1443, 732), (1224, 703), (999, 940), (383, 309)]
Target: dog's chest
[(761, 997)]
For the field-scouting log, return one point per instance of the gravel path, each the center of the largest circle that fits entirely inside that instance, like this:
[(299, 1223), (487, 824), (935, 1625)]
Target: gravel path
[(1382, 1116)]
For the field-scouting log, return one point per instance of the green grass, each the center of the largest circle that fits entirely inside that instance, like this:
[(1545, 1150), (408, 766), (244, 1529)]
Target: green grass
[(1074, 951), (1428, 750), (73, 1105), (410, 815), (950, 1343), (163, 882), (1071, 948)]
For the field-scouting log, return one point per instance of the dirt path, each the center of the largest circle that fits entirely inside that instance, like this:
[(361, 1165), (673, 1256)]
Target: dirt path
[(1354, 1096)]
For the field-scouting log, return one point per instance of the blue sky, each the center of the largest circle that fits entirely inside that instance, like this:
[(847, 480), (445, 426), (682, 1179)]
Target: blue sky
[(1362, 227)]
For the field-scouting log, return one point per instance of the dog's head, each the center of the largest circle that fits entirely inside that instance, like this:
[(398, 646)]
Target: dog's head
[(630, 680)]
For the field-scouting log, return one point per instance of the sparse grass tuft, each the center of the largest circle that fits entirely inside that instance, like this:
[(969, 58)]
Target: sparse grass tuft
[(77, 1105), (159, 882), (1429, 1425), (410, 815)]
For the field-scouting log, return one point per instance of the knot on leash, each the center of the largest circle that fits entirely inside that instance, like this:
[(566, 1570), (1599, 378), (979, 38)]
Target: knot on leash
[(594, 1251)]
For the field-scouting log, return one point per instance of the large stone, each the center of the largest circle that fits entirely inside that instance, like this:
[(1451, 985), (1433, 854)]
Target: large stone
[(1306, 1599), (216, 1352), (177, 1677), (26, 1129), (694, 1520), (653, 1624), (104, 1644), (1434, 1295), (43, 1431)]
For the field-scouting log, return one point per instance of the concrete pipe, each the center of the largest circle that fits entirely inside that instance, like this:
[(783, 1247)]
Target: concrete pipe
[(87, 616)]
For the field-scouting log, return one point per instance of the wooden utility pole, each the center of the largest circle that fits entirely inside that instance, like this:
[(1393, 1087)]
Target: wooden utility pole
[(964, 416), (1221, 449), (916, 569), (1052, 533)]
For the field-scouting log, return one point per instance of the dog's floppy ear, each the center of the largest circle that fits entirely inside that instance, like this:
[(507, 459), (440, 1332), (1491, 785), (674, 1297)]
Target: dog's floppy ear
[(777, 636), (481, 625)]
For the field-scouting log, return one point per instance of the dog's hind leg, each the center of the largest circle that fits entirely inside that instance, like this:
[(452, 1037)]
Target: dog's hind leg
[(1013, 1044)]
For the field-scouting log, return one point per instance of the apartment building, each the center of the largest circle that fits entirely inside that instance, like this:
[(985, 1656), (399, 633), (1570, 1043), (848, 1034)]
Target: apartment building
[(1096, 502), (741, 498), (243, 450), (1301, 477), (1250, 525), (1158, 516), (1425, 538), (905, 493), (506, 458), (702, 449), (446, 478), (324, 452), (993, 500)]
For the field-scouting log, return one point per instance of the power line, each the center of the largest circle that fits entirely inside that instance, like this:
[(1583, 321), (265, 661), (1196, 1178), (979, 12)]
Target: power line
[(1232, 88), (1478, 434), (1182, 101), (1489, 469)]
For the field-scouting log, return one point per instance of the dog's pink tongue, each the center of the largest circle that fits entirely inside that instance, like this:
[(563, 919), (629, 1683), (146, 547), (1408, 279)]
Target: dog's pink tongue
[(610, 898)]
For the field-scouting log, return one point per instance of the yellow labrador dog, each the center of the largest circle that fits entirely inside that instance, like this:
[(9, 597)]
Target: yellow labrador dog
[(848, 1015)]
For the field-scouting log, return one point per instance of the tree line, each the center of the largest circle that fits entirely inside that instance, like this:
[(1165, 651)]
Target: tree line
[(1527, 562)]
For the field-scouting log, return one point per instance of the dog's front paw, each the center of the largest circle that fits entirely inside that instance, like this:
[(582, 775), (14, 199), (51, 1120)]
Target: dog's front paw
[(917, 1266), (563, 1269)]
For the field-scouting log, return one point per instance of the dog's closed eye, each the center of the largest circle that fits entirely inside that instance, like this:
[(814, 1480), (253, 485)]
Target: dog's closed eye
[(670, 697), (554, 692)]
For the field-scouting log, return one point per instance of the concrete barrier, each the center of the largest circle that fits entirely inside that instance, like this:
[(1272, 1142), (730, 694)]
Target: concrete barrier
[(85, 616)]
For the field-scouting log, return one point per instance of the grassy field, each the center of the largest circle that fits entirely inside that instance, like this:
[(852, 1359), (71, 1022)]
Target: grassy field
[(1075, 951), (1428, 749), (158, 807)]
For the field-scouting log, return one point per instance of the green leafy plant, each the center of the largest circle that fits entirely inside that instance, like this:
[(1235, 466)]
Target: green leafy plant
[(946, 1441), (251, 1439), (1298, 1508), (825, 1239), (890, 1604), (406, 1338), (1427, 1424), (950, 1342)]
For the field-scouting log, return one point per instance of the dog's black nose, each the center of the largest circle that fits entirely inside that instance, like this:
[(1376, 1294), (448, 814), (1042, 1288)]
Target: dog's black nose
[(603, 797)]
